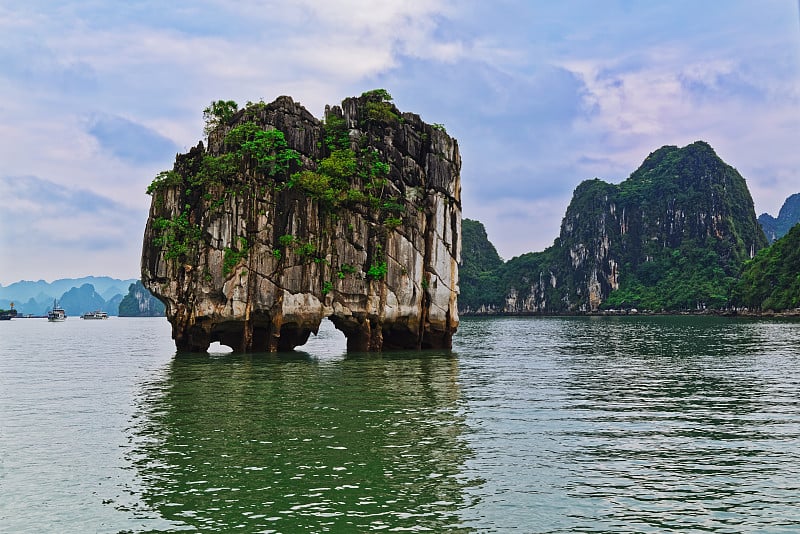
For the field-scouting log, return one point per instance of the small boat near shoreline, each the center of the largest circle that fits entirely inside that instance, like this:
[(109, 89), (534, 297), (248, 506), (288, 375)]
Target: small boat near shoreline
[(57, 314), (97, 314), (7, 315)]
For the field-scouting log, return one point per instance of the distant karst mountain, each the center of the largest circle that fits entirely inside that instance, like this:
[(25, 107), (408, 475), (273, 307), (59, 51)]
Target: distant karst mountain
[(139, 302), (788, 216), (80, 300), (82, 295), (673, 236), (478, 270), (128, 298)]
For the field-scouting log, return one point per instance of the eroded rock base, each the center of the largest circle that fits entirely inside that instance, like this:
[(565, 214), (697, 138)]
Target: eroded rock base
[(263, 336)]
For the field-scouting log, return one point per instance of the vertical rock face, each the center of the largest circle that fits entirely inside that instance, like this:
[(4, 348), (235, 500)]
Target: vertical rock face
[(140, 303), (673, 236), (285, 220)]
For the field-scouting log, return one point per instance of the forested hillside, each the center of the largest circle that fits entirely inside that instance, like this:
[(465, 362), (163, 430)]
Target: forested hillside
[(771, 280), (478, 271), (673, 236)]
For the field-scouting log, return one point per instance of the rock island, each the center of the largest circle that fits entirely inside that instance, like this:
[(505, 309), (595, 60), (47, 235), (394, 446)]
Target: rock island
[(284, 219)]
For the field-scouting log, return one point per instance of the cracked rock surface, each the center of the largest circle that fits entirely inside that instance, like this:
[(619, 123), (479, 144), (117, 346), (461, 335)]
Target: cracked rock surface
[(357, 217)]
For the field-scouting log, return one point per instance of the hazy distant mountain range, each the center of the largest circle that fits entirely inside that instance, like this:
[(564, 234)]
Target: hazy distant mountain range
[(777, 227), (80, 295)]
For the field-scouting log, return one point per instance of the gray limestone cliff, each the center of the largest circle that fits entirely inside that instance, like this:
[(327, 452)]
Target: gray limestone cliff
[(284, 219), (139, 302), (672, 236)]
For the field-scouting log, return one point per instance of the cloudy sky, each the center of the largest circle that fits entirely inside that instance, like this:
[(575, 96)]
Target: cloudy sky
[(97, 97)]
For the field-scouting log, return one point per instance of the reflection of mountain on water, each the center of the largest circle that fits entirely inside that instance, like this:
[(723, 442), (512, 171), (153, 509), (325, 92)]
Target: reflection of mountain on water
[(260, 442)]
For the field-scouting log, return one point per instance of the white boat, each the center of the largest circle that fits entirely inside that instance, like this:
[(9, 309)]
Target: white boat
[(57, 314), (97, 314)]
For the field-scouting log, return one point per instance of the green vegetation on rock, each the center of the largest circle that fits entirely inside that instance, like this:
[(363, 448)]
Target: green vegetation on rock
[(231, 258), (771, 280), (218, 113), (177, 236), (671, 237), (379, 108), (478, 273), (378, 271)]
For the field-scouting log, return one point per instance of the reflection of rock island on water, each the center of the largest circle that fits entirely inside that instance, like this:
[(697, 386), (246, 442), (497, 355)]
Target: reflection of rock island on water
[(289, 443)]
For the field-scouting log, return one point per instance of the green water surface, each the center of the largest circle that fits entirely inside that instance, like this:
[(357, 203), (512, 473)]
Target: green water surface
[(650, 424)]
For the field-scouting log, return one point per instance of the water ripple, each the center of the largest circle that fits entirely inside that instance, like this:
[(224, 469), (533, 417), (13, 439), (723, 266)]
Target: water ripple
[(635, 425), (623, 424)]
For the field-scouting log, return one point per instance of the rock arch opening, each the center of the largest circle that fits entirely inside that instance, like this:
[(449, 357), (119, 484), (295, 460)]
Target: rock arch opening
[(327, 341)]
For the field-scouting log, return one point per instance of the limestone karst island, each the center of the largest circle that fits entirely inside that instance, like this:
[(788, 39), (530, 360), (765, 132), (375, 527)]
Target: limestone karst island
[(285, 219)]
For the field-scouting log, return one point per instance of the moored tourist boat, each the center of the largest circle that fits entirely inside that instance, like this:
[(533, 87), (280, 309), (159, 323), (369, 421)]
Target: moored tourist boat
[(7, 315), (97, 314), (57, 314)]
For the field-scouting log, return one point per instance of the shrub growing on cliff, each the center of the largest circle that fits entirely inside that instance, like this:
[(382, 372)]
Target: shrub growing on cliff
[(381, 112), (327, 287), (354, 196), (317, 186), (231, 257), (217, 113), (378, 270), (163, 180), (215, 169), (241, 134), (337, 135), (371, 168), (392, 222), (269, 149), (305, 249), (341, 166), (378, 108), (377, 95), (175, 235), (344, 270)]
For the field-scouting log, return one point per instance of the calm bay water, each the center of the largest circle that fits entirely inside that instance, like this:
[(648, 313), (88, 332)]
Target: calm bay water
[(649, 424)]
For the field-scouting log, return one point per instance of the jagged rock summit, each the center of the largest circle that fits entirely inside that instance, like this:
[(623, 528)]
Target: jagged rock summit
[(788, 216), (671, 237), (284, 220)]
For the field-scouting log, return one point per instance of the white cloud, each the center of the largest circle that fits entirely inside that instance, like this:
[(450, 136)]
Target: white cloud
[(669, 100), (640, 76), (70, 229)]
